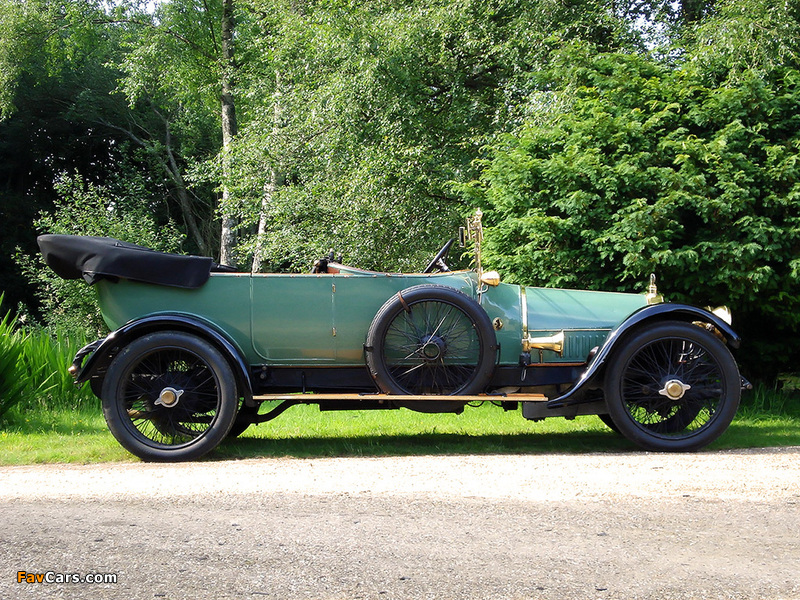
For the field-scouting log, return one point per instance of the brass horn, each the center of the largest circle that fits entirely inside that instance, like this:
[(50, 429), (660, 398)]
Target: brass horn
[(554, 343)]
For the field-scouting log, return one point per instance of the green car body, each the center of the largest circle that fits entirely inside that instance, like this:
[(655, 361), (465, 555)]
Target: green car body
[(197, 353), (322, 319)]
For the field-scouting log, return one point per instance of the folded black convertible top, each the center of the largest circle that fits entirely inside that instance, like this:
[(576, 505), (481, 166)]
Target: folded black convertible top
[(94, 258)]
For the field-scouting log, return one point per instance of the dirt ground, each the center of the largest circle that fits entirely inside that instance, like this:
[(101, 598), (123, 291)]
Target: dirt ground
[(589, 526)]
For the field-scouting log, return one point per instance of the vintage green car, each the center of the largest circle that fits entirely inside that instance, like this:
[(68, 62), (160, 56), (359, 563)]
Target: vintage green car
[(196, 349)]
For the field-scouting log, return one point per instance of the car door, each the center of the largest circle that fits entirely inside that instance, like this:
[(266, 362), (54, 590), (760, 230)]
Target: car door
[(291, 319)]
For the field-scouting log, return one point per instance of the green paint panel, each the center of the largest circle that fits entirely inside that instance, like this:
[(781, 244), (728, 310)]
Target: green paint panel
[(503, 302), (274, 318), (224, 301), (551, 310), (318, 320), (291, 319)]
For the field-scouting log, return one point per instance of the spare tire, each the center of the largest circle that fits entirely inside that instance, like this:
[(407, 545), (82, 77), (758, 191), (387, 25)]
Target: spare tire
[(431, 340)]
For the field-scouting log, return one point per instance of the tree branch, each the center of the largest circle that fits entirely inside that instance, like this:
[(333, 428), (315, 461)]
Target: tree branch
[(196, 47)]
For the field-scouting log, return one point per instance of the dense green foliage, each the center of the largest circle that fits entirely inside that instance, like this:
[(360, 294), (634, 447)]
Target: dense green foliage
[(628, 167), (33, 369), (357, 117), (352, 115), (85, 209), (604, 140), (14, 377)]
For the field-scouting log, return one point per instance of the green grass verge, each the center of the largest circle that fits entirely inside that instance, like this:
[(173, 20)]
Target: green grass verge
[(62, 435)]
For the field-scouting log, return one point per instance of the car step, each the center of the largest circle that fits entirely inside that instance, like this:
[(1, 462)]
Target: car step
[(313, 398)]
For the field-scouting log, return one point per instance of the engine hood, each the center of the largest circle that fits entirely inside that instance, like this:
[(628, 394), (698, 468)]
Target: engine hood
[(585, 317)]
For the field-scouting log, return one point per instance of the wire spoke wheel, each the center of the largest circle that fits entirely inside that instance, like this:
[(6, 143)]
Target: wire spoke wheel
[(177, 369), (169, 396), (431, 340), (664, 361), (433, 348), (673, 387)]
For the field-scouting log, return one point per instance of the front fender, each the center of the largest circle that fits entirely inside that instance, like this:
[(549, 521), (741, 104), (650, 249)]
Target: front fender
[(103, 351), (639, 318)]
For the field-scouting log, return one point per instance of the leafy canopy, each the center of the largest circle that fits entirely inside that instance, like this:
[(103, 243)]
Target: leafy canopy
[(632, 167)]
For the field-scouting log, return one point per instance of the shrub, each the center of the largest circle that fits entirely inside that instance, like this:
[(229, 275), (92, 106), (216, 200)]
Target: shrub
[(22, 376), (13, 376), (641, 168), (50, 353), (85, 209)]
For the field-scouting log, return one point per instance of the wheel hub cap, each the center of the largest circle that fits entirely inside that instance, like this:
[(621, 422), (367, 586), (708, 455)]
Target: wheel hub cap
[(674, 389), (169, 397), (432, 348)]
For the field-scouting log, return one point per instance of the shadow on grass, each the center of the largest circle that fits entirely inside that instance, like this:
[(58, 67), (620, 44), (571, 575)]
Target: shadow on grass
[(70, 431), (762, 432), (84, 421), (423, 444), (738, 436)]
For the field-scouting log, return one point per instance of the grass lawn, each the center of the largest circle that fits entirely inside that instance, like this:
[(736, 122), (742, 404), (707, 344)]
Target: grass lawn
[(81, 436)]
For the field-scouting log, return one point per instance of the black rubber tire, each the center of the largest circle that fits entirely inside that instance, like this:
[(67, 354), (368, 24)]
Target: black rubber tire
[(672, 351), (200, 418), (243, 420), (431, 339), (606, 419)]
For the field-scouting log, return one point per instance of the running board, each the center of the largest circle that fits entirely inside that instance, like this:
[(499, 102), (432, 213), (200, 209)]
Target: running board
[(313, 398), (534, 406)]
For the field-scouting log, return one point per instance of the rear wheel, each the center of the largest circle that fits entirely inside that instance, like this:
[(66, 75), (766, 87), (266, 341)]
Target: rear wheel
[(169, 396), (431, 339), (673, 387)]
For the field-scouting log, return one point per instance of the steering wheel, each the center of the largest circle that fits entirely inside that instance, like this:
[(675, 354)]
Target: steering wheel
[(321, 264), (438, 260)]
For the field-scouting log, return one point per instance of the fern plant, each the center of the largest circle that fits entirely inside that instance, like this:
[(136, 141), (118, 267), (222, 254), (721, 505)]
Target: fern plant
[(14, 377)]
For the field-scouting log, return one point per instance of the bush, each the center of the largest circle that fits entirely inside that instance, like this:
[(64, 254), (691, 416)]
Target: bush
[(85, 209), (641, 168), (13, 375), (50, 353), (22, 377)]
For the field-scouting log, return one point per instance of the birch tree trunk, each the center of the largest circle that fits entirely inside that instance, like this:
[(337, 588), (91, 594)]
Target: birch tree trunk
[(229, 130), (273, 183), (172, 170)]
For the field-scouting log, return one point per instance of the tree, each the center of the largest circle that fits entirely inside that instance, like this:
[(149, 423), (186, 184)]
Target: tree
[(744, 36), (229, 126), (358, 117), (181, 56), (642, 168), (46, 67)]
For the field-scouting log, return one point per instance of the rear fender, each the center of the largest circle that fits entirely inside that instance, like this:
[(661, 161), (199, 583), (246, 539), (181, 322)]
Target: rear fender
[(640, 318), (102, 352)]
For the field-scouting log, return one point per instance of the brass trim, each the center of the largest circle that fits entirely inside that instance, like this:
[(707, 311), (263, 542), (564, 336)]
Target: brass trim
[(168, 397), (554, 342), (491, 278), (723, 312), (523, 302), (652, 296)]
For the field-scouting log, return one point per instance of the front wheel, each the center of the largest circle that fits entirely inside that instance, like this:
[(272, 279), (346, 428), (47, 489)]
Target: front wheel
[(672, 387), (169, 396)]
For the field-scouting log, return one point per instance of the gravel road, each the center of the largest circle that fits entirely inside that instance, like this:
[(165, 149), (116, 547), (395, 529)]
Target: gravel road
[(545, 526)]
